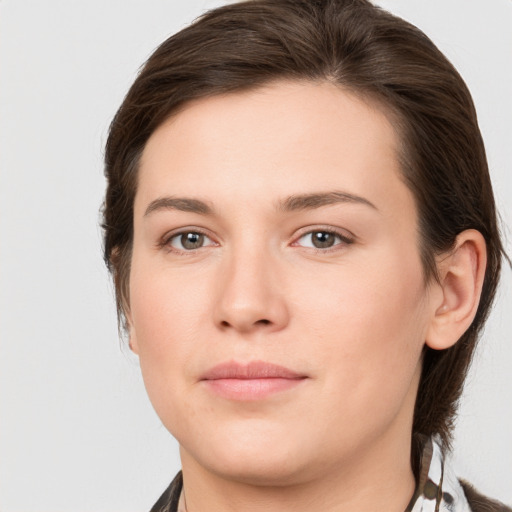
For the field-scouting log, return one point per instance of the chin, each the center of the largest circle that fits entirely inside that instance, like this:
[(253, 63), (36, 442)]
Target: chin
[(271, 472), (261, 460)]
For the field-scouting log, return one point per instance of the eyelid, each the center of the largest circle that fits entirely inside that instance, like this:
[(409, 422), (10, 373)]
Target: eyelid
[(165, 241), (346, 237)]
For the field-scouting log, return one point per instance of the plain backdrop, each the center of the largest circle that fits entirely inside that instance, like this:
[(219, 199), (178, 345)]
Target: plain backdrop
[(77, 432)]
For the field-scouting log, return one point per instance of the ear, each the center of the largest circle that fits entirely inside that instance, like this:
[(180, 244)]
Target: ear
[(132, 337), (461, 276), (119, 264)]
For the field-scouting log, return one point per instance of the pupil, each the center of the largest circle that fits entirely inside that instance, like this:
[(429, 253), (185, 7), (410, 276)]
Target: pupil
[(192, 240), (323, 239)]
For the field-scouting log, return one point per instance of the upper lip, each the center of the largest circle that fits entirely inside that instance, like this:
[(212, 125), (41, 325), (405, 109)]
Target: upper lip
[(251, 370)]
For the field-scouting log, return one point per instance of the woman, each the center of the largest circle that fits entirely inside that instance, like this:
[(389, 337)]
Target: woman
[(302, 232)]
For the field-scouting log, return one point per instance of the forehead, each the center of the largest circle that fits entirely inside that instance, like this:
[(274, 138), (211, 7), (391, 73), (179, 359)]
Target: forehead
[(283, 138)]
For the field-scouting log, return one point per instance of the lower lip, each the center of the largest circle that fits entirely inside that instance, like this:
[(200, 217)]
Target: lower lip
[(251, 389)]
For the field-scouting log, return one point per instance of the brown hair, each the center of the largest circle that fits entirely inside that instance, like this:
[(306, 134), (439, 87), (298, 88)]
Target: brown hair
[(367, 51)]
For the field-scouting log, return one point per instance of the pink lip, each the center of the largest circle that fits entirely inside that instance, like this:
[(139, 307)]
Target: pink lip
[(252, 381)]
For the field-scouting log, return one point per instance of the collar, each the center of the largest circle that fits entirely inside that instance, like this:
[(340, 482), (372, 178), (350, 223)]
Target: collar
[(438, 489)]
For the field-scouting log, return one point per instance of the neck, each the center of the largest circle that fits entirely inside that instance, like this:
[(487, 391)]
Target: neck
[(380, 479)]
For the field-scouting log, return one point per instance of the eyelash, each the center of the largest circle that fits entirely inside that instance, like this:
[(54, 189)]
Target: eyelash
[(342, 240), (166, 241)]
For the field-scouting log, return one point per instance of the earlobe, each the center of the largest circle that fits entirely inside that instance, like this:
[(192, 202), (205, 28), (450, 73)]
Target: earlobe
[(132, 338), (461, 276), (133, 344)]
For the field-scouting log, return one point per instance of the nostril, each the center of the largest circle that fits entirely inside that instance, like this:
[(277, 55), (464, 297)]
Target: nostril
[(225, 323)]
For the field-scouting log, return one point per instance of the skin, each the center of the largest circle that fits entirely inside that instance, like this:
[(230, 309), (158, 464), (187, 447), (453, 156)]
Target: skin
[(352, 318)]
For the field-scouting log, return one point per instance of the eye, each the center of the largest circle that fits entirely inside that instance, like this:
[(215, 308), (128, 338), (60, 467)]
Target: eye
[(322, 239), (189, 241)]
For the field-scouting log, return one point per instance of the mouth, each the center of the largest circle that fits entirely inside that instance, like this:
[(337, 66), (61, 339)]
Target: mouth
[(253, 381)]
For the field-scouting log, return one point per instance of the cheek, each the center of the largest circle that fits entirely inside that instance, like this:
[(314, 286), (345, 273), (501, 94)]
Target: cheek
[(370, 324), (165, 334), (381, 293), (166, 307), (168, 313)]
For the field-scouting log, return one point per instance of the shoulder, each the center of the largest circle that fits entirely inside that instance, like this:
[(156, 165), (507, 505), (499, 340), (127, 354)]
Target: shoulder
[(480, 503)]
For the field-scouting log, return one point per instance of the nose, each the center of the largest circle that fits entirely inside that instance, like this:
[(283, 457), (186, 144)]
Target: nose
[(251, 296)]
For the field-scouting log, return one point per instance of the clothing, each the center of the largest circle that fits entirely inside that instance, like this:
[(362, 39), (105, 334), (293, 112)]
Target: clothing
[(437, 489)]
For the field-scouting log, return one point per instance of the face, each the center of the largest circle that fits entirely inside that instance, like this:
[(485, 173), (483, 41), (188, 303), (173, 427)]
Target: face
[(277, 298)]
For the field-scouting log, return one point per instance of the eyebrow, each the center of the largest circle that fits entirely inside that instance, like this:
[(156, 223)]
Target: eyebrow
[(317, 200), (184, 204), (290, 204)]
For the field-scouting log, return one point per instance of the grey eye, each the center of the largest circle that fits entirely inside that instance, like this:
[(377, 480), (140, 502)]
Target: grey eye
[(189, 241), (320, 239)]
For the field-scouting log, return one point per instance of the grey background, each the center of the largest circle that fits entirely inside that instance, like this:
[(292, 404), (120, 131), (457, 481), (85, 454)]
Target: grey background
[(77, 432)]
